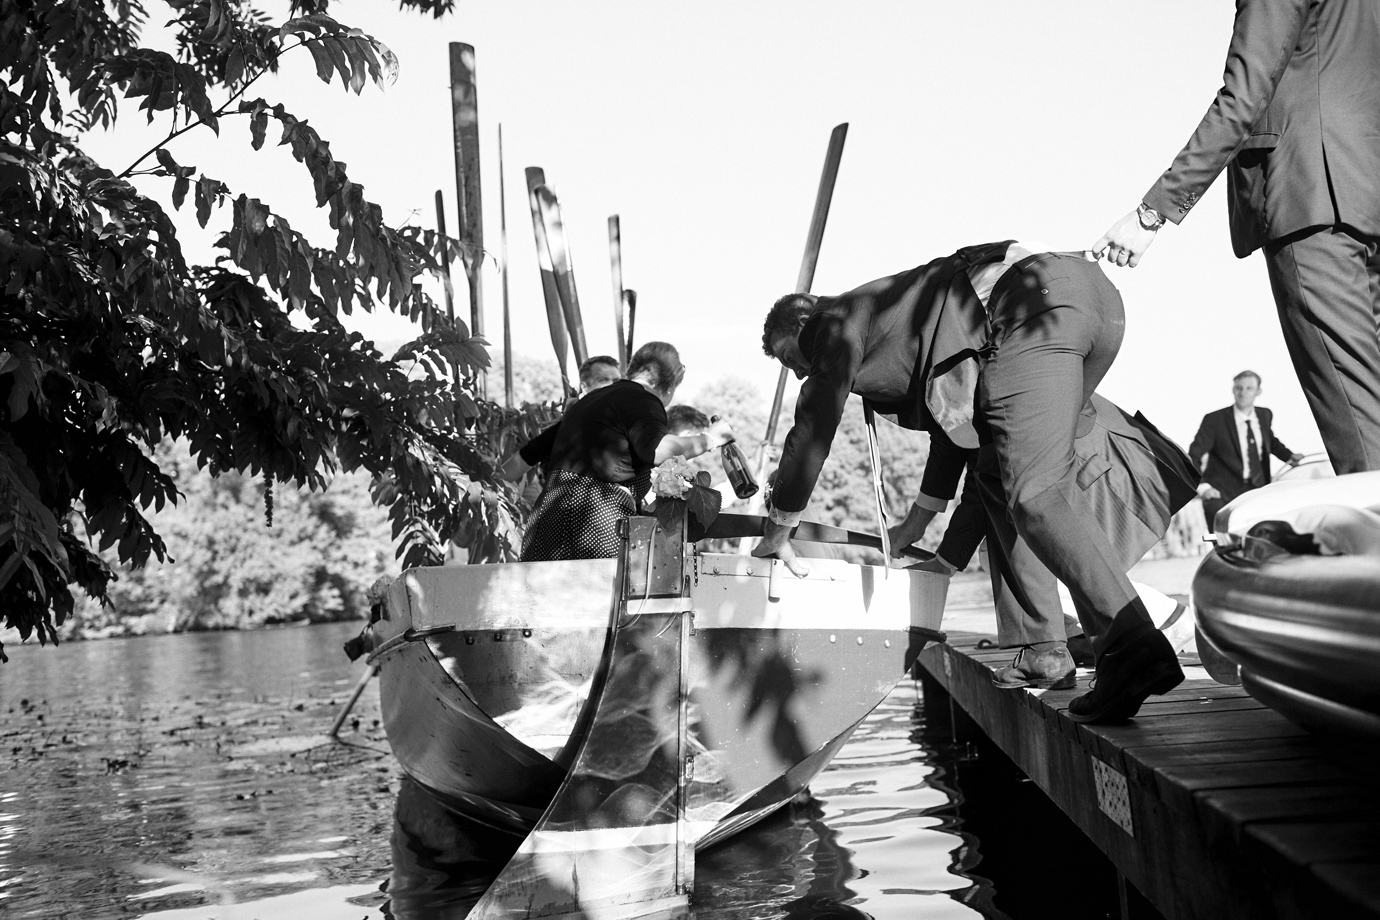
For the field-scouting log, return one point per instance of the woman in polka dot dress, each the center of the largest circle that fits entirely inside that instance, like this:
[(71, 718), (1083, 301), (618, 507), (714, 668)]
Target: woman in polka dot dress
[(601, 462)]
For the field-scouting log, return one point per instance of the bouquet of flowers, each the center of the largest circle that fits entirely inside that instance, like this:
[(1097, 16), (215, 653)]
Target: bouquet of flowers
[(678, 488)]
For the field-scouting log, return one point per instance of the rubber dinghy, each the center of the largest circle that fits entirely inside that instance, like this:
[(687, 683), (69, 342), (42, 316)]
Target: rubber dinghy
[(626, 711), (1291, 594)]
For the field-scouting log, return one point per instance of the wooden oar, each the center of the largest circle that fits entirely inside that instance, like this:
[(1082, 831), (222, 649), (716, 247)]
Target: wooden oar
[(806, 278), (555, 316), (736, 526), (565, 272), (503, 276), (874, 454), (616, 270)]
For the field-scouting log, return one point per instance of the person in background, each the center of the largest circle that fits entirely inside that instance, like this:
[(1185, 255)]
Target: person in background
[(596, 372), (1297, 125), (602, 457), (1232, 447)]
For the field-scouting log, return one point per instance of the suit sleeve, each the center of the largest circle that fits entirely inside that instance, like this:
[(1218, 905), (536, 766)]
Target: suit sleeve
[(943, 468), (1202, 443), (538, 450), (1276, 445), (967, 527), (1263, 39), (836, 354)]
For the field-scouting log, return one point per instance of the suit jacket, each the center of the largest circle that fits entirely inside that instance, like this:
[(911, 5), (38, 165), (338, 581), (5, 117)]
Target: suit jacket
[(1217, 438), (1298, 120), (908, 344)]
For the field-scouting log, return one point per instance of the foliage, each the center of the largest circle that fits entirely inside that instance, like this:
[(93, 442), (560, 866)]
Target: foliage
[(234, 571), (111, 342)]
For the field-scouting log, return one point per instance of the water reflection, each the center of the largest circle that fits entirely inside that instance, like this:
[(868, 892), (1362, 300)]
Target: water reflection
[(875, 839), (187, 777)]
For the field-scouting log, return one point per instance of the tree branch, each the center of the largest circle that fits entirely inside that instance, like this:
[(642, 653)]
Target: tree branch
[(223, 110)]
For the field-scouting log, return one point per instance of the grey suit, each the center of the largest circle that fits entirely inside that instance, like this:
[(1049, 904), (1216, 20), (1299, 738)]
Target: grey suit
[(1298, 123)]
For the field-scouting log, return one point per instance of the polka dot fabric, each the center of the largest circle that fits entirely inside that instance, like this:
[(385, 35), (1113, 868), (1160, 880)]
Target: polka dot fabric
[(576, 517)]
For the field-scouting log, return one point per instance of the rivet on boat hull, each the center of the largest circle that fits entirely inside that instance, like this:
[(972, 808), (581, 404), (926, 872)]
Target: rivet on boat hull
[(833, 638), (860, 640)]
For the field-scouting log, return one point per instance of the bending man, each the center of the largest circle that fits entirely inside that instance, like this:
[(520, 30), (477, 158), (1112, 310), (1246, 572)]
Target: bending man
[(999, 347)]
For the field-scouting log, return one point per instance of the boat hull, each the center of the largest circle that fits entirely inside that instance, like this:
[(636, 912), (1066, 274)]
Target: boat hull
[(486, 714)]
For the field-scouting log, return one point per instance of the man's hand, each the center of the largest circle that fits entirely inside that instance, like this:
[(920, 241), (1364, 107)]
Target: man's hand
[(1209, 492), (1126, 242), (1294, 459), (719, 433), (909, 531), (776, 542)]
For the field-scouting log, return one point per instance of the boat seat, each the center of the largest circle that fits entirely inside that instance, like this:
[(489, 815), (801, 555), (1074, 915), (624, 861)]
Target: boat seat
[(1338, 530)]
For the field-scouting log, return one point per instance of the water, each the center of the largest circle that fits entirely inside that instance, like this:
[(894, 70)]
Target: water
[(181, 777)]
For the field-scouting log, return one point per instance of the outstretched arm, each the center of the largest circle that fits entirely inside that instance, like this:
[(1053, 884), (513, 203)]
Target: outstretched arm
[(1263, 39)]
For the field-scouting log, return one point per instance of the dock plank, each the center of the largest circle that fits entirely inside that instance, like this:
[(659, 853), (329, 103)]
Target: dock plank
[(1212, 805)]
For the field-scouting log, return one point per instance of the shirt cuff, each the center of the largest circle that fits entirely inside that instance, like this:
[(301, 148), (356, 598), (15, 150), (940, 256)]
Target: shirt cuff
[(788, 518), (930, 503), (1203, 487)]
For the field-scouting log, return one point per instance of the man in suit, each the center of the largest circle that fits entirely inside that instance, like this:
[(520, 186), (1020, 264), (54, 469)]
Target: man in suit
[(1233, 445), (997, 350), (1297, 124)]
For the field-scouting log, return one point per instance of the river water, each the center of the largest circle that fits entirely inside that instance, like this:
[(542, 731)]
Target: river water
[(189, 777)]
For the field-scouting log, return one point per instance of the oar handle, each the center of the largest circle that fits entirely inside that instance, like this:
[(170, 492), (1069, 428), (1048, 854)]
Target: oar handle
[(735, 526)]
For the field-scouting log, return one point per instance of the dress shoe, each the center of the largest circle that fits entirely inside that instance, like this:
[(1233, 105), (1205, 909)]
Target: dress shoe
[(1047, 669), (1141, 663)]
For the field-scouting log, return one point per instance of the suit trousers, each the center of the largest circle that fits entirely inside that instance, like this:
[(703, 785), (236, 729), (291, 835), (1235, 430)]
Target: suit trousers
[(1326, 282), (1056, 326)]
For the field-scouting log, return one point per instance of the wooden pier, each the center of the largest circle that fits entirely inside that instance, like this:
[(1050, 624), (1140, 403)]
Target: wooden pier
[(1210, 804)]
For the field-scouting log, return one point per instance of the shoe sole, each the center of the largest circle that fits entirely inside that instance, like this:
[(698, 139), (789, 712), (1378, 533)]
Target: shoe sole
[(1067, 682), (1127, 707)]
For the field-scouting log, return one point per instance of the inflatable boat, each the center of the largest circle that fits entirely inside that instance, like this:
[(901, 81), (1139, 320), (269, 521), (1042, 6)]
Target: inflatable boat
[(1291, 594)]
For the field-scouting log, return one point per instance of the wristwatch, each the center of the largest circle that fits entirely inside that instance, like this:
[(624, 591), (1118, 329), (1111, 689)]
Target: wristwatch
[(1149, 218)]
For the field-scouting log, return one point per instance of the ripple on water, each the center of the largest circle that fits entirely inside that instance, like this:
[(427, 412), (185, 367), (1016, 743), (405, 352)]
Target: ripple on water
[(180, 777)]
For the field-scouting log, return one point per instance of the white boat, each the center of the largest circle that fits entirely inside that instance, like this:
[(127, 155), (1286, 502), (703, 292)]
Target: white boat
[(1291, 595), (626, 711)]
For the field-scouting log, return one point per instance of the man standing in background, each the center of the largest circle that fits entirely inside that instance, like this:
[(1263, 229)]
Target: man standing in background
[(1233, 446), (1297, 125)]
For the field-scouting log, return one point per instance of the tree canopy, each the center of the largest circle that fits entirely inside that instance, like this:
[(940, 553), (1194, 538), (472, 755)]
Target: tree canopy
[(111, 341)]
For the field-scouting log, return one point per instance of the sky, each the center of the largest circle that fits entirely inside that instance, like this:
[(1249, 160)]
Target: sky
[(704, 126)]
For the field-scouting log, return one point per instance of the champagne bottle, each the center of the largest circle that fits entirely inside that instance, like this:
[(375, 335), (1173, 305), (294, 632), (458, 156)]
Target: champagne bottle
[(739, 473)]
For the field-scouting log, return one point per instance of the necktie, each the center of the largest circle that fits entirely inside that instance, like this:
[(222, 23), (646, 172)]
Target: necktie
[(1252, 457)]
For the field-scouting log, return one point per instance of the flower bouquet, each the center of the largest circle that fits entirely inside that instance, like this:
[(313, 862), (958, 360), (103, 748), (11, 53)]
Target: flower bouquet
[(678, 490)]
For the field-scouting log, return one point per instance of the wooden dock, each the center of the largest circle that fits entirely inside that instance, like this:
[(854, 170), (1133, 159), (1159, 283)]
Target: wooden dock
[(1210, 804)]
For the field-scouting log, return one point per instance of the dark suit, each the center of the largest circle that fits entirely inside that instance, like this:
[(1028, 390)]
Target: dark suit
[(1217, 438), (1073, 487), (1298, 123)]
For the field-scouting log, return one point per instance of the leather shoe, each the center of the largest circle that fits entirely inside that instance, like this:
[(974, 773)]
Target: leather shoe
[(1140, 664), (1049, 669)]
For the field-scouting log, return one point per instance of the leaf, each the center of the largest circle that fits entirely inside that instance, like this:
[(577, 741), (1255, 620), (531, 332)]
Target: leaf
[(666, 511), (258, 127), (179, 193), (234, 65), (203, 203), (325, 69), (703, 503)]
